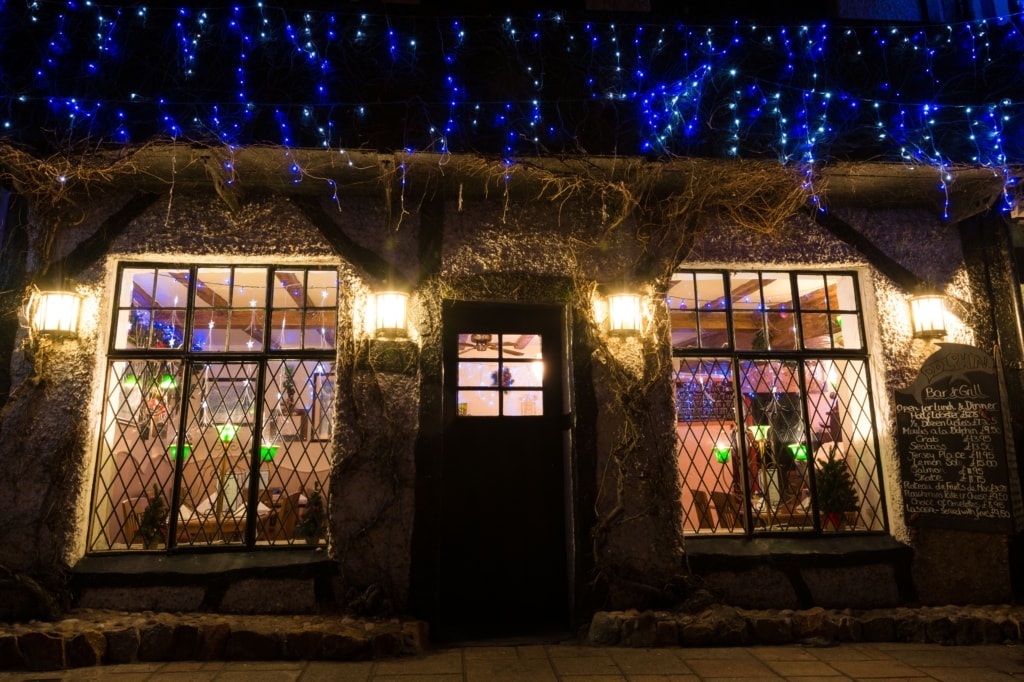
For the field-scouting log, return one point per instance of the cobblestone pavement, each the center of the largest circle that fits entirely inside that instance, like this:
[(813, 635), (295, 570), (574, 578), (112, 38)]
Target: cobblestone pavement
[(570, 663)]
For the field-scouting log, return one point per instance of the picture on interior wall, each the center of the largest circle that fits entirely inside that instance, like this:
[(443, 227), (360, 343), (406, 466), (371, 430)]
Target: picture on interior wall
[(290, 427), (323, 406), (228, 400)]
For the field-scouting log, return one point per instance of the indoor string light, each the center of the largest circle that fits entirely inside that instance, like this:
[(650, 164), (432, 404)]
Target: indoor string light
[(941, 95)]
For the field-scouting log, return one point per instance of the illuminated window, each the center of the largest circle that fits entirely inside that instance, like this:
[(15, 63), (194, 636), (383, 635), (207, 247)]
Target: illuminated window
[(219, 401), (771, 384)]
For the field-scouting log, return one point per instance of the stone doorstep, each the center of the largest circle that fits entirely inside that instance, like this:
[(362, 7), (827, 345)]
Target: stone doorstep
[(91, 637), (729, 626), (88, 637)]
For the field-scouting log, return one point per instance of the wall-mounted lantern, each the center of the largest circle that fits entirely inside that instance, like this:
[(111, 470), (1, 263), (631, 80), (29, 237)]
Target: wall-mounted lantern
[(54, 313), (624, 315), (928, 316), (389, 319)]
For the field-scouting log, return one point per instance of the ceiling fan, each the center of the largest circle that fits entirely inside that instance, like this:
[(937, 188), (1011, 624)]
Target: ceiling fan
[(482, 342)]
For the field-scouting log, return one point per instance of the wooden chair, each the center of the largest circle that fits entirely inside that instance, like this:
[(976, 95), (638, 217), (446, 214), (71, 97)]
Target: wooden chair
[(288, 515), (703, 504), (130, 510), (728, 507), (280, 523)]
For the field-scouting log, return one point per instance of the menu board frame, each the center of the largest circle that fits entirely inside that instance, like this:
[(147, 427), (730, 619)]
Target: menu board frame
[(952, 442)]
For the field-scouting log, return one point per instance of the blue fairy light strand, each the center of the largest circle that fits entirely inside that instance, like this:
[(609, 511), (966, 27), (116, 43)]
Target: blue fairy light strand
[(944, 95)]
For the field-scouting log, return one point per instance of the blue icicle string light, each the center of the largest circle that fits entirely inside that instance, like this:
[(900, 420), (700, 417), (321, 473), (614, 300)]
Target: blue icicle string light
[(943, 95)]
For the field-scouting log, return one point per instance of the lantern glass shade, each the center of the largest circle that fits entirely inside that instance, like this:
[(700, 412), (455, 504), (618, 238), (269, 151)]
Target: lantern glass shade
[(799, 451), (722, 453), (928, 316), (172, 450), (390, 314), (759, 432), (267, 452), (55, 313), (624, 313), (226, 432)]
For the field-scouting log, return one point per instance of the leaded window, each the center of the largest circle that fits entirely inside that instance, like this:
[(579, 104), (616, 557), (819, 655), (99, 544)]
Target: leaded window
[(218, 408), (776, 431)]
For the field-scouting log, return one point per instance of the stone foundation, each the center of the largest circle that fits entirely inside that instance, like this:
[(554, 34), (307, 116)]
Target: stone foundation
[(730, 626), (89, 637)]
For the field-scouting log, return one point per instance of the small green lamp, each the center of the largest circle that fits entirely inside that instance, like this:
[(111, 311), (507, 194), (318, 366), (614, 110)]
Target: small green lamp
[(226, 432), (722, 453), (172, 450), (799, 451), (267, 452)]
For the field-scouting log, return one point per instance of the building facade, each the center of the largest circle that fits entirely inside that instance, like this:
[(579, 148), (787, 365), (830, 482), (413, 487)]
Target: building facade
[(511, 451), (500, 321)]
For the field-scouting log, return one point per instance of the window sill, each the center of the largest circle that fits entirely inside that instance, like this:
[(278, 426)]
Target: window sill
[(292, 563), (710, 553)]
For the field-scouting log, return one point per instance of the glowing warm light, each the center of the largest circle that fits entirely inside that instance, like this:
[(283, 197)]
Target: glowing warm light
[(537, 367), (624, 313), (55, 313), (928, 316), (390, 314)]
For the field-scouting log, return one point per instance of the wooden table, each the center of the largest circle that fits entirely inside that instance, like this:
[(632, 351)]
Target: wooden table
[(208, 528)]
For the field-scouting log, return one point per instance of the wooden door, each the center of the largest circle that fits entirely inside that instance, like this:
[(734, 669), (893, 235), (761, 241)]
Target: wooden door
[(503, 546)]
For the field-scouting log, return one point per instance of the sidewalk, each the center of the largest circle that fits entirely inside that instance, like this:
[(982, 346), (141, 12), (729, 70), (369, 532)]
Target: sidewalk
[(571, 663)]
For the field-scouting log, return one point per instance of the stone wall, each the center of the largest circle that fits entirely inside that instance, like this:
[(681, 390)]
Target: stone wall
[(627, 539)]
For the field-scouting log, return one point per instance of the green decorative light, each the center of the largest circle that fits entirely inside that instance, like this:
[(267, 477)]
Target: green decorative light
[(227, 432), (722, 453), (267, 452), (168, 381), (759, 432), (799, 451), (130, 380), (172, 450)]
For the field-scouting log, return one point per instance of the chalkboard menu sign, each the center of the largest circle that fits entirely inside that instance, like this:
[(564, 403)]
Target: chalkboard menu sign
[(952, 444)]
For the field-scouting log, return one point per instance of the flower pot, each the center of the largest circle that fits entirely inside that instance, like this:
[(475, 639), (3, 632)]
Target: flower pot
[(831, 520)]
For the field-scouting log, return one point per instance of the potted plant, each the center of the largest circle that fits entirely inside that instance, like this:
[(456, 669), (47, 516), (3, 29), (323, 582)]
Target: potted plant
[(836, 492), (312, 520), (153, 521)]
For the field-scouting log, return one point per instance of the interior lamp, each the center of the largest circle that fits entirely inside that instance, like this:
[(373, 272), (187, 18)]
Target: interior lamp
[(54, 313), (721, 453), (759, 432), (267, 452), (928, 316), (390, 314), (172, 450), (799, 451), (226, 433), (624, 314)]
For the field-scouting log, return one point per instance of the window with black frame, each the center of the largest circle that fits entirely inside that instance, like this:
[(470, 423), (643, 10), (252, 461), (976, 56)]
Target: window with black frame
[(217, 408), (775, 426)]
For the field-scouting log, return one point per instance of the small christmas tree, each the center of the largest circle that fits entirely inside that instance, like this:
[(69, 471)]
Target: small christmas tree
[(153, 522), (313, 517), (835, 490)]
